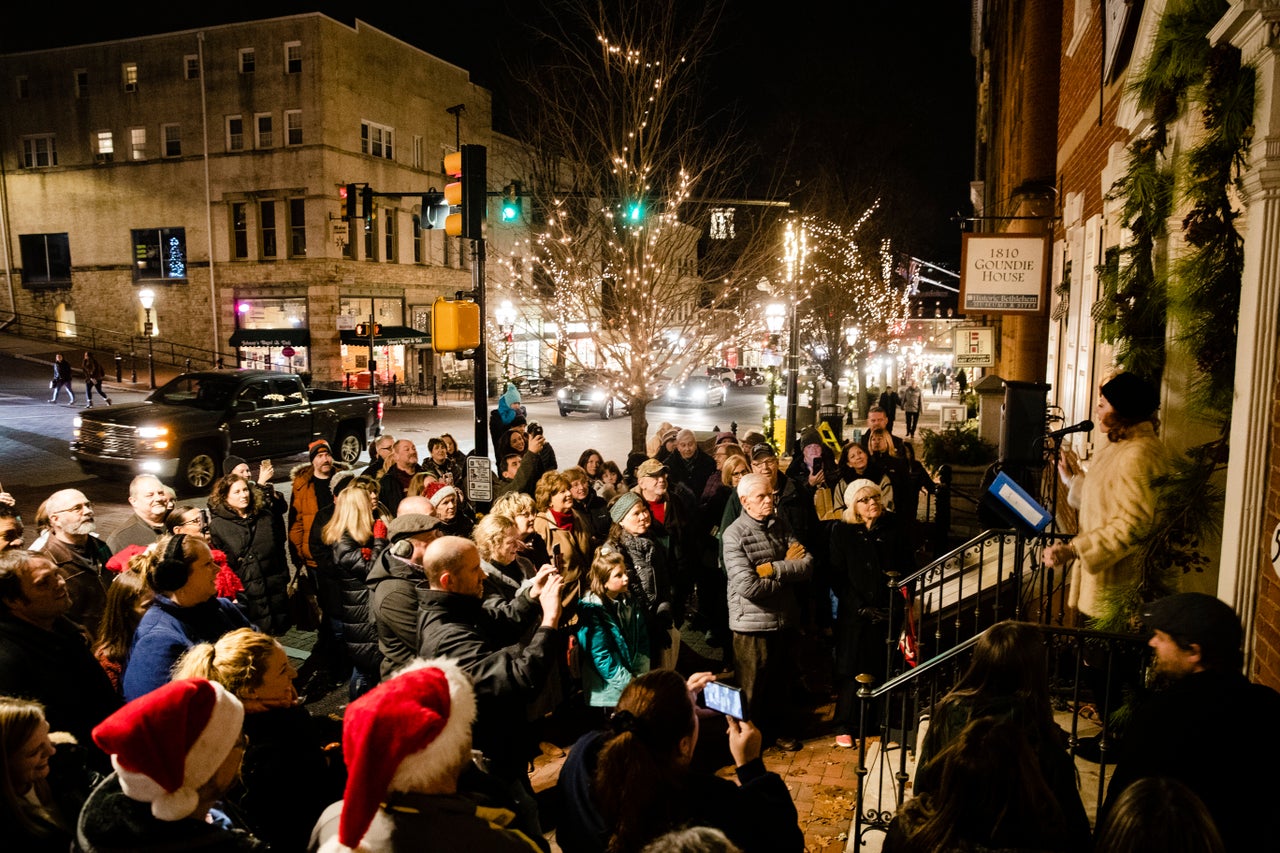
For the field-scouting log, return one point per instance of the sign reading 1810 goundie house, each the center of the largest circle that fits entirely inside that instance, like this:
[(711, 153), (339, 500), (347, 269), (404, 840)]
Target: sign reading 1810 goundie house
[(1003, 273)]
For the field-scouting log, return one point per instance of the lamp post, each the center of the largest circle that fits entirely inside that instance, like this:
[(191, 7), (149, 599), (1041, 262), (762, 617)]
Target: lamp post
[(505, 316), (148, 299), (775, 315)]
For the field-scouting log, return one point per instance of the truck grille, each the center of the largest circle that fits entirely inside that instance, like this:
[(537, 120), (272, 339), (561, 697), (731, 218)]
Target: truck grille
[(102, 439)]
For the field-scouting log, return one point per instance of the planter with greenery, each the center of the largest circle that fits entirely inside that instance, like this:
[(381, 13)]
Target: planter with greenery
[(956, 445)]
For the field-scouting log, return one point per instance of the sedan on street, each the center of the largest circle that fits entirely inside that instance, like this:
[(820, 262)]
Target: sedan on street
[(591, 391), (696, 391)]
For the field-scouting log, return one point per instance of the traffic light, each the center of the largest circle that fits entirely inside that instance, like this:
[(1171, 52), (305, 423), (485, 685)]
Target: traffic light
[(634, 212), (455, 325), (469, 193), (364, 330), (435, 210), (511, 202), (349, 195)]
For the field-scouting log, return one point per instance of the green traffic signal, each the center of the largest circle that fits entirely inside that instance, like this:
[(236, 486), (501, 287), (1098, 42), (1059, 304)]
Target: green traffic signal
[(511, 202), (635, 211)]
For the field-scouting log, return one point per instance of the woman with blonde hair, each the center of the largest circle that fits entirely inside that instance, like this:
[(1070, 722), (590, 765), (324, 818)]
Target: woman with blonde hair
[(864, 547), (288, 775), (497, 538), (355, 538), (519, 507)]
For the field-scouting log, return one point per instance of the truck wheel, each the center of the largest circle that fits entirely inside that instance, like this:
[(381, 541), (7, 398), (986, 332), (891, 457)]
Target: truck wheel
[(349, 446), (197, 469)]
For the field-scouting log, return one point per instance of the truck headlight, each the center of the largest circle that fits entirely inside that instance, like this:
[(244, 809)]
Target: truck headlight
[(152, 432)]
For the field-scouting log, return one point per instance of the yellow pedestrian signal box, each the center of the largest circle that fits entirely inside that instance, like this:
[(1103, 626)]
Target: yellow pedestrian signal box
[(455, 325)]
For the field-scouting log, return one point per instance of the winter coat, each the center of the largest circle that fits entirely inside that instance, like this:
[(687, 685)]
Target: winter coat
[(112, 822), (92, 368), (757, 814), (692, 472), (506, 675), (910, 399), (303, 506), (410, 822), (577, 548), (393, 602), (286, 779), (62, 372), (359, 629), (86, 573), (756, 603), (166, 631), (649, 585), (257, 557), (615, 638), (1117, 503), (860, 559)]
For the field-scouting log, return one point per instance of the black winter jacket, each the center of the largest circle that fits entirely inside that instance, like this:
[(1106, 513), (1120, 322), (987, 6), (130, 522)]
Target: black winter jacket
[(359, 631), (255, 552)]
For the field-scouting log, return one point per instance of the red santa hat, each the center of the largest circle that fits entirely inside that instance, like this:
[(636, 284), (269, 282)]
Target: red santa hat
[(403, 735), (167, 743), (437, 492)]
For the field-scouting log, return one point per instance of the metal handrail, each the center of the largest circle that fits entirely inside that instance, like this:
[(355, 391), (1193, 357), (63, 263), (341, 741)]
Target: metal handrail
[(109, 340)]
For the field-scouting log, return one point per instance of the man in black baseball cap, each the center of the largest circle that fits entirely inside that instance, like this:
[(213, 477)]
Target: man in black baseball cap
[(1205, 724)]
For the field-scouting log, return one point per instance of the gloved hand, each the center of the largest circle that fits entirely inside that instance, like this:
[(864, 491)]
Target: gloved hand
[(796, 551), (765, 570), (379, 529)]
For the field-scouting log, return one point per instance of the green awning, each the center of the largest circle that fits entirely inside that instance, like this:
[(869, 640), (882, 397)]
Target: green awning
[(391, 336), (271, 338)]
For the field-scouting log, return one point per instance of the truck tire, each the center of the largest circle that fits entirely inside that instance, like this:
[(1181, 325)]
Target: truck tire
[(197, 469), (349, 446)]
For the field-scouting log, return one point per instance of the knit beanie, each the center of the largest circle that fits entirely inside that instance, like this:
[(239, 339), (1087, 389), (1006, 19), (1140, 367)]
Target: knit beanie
[(167, 743), (856, 486), (622, 505), (231, 463), (314, 448), (1132, 397)]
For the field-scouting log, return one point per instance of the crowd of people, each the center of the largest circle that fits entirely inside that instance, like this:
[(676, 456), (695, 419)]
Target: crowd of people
[(458, 633)]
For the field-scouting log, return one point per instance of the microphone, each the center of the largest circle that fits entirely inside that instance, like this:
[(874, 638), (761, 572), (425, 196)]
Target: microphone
[(1084, 426)]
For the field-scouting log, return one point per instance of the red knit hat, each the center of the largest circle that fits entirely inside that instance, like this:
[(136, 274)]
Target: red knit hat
[(167, 743), (402, 735)]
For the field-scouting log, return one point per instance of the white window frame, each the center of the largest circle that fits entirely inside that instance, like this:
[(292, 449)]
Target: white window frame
[(171, 131), (235, 139), (418, 157), (32, 155), (248, 60), (292, 54), (263, 138), (103, 144), (1083, 11), (137, 143), (129, 76), (377, 140), (191, 66), (292, 127)]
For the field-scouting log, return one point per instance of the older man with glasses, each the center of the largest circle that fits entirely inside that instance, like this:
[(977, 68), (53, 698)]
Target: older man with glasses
[(72, 543)]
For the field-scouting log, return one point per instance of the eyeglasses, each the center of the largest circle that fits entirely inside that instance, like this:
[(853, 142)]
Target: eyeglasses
[(868, 499), (78, 508)]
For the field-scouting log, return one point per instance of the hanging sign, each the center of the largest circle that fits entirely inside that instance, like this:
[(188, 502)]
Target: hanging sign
[(1003, 273)]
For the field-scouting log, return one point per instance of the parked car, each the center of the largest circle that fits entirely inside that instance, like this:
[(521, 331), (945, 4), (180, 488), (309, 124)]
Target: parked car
[(697, 391), (724, 374), (184, 429), (592, 391), (744, 377)]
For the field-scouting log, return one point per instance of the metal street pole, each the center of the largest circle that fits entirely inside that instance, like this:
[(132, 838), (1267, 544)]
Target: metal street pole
[(151, 353), (793, 379), (481, 386)]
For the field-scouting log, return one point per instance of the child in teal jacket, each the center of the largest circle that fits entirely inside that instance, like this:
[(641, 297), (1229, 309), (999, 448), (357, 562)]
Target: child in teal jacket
[(613, 634)]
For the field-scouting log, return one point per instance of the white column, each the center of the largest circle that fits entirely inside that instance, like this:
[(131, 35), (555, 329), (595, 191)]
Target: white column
[(1254, 27)]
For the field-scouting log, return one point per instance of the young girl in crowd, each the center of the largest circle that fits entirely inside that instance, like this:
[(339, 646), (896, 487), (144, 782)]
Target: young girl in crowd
[(612, 631)]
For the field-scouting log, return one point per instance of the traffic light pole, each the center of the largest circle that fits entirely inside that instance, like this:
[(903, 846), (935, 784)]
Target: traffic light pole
[(373, 359), (481, 365)]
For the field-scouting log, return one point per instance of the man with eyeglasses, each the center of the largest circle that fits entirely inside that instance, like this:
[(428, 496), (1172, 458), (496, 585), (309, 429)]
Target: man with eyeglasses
[(72, 543), (150, 502), (764, 562)]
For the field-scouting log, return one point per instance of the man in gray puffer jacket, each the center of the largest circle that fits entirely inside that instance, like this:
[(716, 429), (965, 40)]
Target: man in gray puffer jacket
[(763, 560)]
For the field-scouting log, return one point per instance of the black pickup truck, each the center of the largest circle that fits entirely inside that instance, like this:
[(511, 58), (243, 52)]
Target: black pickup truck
[(184, 429)]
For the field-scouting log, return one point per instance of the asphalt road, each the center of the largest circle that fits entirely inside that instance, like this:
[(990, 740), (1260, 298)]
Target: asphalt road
[(35, 435)]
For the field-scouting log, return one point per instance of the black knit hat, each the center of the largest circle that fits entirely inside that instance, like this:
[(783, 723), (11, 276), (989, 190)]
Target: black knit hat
[(1132, 397), (231, 463)]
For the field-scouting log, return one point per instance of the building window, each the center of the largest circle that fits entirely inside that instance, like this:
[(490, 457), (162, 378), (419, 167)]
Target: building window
[(370, 236), (263, 137), (39, 152), (375, 140), (389, 234), (103, 147), (235, 133), (22, 87), (418, 245), (293, 57), (417, 152), (239, 230), (247, 60), (267, 220), (137, 143), (191, 64), (46, 259), (293, 127), (80, 77), (722, 223), (159, 253), (129, 76), (171, 139), (297, 228)]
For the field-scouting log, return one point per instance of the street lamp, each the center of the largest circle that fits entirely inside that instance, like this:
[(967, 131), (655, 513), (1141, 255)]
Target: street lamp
[(505, 316), (148, 299), (775, 315)]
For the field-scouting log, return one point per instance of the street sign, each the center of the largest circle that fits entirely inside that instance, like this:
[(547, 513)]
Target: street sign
[(479, 480), (287, 352), (346, 322), (974, 346), (1003, 273)]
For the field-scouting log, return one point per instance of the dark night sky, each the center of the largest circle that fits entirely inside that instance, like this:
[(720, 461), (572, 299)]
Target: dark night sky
[(869, 97)]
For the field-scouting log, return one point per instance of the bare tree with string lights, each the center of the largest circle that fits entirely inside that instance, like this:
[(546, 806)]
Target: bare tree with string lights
[(641, 272)]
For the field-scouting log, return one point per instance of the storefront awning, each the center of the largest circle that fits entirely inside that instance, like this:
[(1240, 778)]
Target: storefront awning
[(391, 336), (271, 338)]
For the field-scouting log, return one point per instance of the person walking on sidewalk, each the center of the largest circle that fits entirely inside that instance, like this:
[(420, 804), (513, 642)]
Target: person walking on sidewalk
[(62, 379), (93, 375), (911, 406)]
